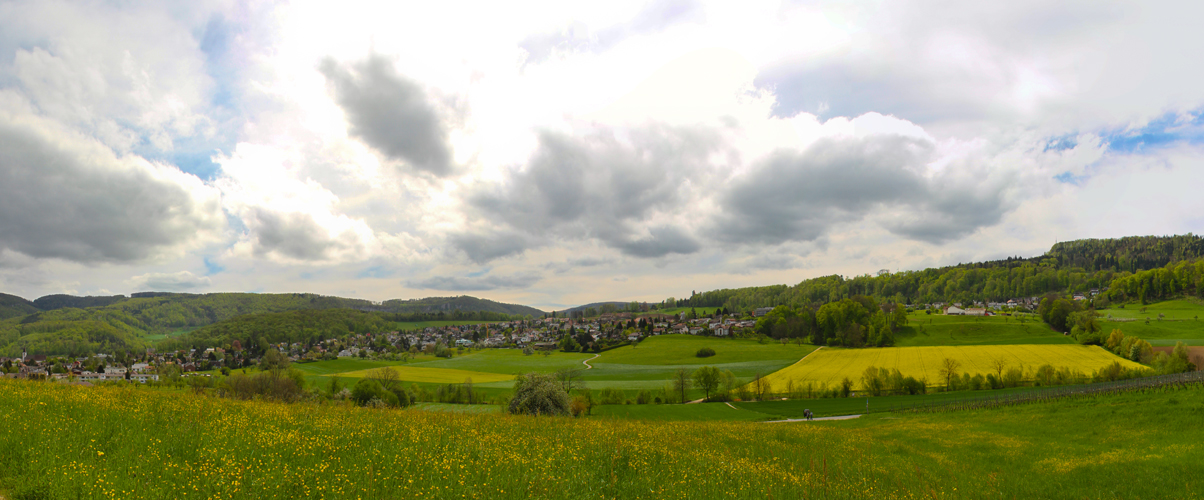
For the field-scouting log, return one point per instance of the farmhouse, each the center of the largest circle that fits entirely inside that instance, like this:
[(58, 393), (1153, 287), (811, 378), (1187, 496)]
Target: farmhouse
[(954, 310)]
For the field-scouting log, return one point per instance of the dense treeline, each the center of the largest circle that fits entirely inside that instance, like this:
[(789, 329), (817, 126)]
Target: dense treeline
[(13, 306), (1069, 267), (256, 331), (308, 327), (854, 322), (1172, 280), (1130, 253), (74, 332)]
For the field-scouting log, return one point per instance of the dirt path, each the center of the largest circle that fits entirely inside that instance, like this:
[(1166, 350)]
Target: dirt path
[(586, 362), (841, 417)]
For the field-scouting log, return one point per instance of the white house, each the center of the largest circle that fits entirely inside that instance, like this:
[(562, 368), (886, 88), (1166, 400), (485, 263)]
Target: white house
[(954, 310)]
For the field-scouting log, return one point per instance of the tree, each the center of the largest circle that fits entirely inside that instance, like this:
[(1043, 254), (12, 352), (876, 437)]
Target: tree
[(538, 394), (681, 382), (273, 360), (999, 364), (707, 378), (949, 369)]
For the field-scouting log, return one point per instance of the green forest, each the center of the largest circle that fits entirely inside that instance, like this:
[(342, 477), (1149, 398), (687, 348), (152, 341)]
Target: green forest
[(1164, 266), (124, 323)]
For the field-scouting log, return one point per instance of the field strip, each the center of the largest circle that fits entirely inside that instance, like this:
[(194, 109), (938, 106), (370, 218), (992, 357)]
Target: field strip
[(431, 375), (829, 367), (840, 417), (586, 362)]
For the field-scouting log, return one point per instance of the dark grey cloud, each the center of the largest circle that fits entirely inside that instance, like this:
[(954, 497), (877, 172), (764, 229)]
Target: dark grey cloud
[(656, 16), (169, 282), (476, 283), (291, 234), (78, 202), (482, 248), (391, 113), (661, 240), (800, 196), (600, 187), (577, 263)]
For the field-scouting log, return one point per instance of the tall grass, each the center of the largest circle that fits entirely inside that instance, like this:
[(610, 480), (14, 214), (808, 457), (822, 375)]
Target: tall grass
[(63, 441)]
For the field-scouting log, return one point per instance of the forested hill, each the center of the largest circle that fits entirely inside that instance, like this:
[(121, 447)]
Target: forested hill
[(13, 306), (1068, 267), (1131, 253), (124, 322), (451, 304)]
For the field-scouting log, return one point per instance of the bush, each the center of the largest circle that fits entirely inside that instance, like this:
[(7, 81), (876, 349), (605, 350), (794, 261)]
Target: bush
[(705, 352), (538, 394), (612, 396)]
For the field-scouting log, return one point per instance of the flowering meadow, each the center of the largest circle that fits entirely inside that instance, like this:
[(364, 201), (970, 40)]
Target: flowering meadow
[(63, 441)]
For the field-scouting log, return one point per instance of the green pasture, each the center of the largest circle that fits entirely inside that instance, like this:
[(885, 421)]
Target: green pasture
[(1183, 309), (681, 350), (702, 311), (941, 330), (1165, 332)]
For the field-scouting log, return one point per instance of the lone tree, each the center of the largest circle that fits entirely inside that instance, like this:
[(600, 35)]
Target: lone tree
[(707, 378), (681, 382), (949, 371), (538, 394), (999, 364)]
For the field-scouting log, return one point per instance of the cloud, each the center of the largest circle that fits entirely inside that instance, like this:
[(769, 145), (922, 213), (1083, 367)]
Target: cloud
[(578, 263), (66, 197), (391, 113), (611, 186), (482, 248), (801, 196), (286, 218), (476, 283), (656, 16), (168, 282)]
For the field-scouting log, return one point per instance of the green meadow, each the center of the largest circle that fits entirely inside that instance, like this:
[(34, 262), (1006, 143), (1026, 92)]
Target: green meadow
[(941, 330), (648, 365), (70, 442)]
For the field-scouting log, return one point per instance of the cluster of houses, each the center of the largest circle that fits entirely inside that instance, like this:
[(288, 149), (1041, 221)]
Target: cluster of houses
[(608, 329), (39, 367), (993, 308)]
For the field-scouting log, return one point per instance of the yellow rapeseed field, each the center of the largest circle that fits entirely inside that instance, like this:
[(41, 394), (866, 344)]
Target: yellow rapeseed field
[(434, 375), (826, 367)]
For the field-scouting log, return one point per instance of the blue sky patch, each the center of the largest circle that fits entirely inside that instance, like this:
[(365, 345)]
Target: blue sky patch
[(212, 268), (1167, 130)]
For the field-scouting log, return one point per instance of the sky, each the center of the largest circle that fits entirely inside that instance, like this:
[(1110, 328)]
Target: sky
[(560, 153)]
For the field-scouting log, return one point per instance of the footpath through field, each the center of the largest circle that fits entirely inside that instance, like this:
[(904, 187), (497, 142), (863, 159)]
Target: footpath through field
[(586, 362), (841, 417)]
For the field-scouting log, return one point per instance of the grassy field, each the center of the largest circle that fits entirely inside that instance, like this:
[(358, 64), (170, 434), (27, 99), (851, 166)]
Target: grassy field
[(410, 373), (648, 365), (1180, 323), (702, 311), (69, 442), (1182, 309), (827, 367), (940, 330)]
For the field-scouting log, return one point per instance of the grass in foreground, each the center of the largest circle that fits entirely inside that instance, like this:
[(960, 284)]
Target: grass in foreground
[(76, 442), (828, 367)]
